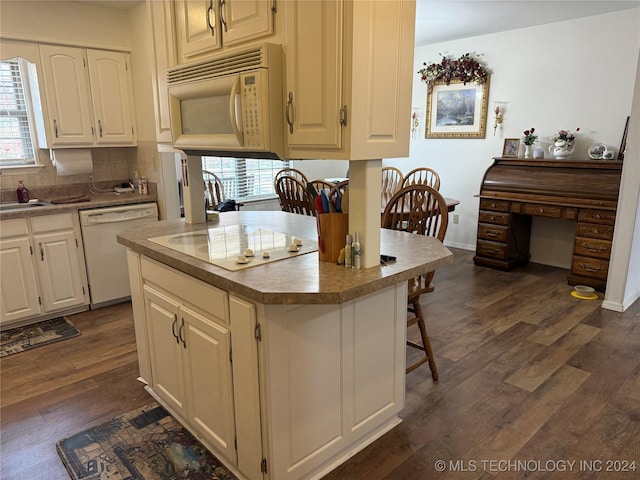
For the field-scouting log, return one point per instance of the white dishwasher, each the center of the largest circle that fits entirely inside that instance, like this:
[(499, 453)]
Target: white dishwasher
[(106, 259)]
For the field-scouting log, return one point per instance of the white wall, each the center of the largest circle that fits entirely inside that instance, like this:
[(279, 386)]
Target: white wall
[(623, 286), (578, 73)]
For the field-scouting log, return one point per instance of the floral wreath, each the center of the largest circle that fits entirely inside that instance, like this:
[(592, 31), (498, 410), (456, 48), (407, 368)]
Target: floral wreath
[(467, 69)]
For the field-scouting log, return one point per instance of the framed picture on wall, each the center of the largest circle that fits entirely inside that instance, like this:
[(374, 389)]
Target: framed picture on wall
[(457, 110), (511, 147)]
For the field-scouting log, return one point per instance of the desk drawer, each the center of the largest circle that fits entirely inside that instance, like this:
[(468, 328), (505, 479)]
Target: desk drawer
[(494, 205), (594, 231), (493, 217), (589, 267), (593, 247), (485, 248), (493, 232), (604, 217), (542, 210)]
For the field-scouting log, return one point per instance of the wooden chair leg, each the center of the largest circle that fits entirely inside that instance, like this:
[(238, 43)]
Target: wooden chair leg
[(426, 344)]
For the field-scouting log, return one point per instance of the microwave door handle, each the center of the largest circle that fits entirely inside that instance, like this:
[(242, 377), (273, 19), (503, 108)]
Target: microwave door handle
[(232, 111)]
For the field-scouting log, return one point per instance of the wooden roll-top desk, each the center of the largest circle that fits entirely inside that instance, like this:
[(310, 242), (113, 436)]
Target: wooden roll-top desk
[(514, 190)]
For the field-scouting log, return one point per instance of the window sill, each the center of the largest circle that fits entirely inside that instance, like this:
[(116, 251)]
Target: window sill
[(21, 170)]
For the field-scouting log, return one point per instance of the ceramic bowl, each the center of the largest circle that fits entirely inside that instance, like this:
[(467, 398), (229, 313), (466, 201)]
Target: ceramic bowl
[(583, 289)]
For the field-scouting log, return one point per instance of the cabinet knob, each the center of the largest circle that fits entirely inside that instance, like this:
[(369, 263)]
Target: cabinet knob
[(290, 112), (211, 12), (181, 338), (173, 328), (223, 21)]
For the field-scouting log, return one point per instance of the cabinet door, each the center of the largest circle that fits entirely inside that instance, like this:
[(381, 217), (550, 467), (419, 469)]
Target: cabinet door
[(198, 31), (164, 56), (110, 79), (243, 20), (19, 290), (314, 73), (59, 269), (66, 85), (208, 380), (165, 349)]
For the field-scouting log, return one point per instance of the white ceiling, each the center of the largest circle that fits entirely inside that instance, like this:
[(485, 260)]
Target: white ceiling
[(443, 20), (439, 21)]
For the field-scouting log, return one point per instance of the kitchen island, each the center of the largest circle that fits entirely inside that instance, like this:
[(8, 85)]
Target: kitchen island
[(283, 370)]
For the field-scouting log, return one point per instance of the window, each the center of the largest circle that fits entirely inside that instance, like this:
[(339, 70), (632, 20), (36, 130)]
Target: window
[(245, 179), (16, 119)]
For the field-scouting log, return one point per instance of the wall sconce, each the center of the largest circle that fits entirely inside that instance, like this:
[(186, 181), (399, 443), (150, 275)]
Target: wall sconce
[(415, 122), (498, 118)]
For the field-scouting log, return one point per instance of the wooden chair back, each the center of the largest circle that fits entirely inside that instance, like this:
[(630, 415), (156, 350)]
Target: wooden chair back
[(423, 175), (213, 189), (320, 184), (294, 196), (391, 180), (292, 172), (422, 210)]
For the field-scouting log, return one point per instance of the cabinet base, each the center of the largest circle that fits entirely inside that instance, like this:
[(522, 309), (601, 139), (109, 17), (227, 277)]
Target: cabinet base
[(599, 285), (505, 265)]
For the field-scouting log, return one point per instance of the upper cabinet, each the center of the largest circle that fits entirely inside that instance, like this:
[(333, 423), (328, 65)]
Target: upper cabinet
[(204, 26), (161, 14), (88, 94), (349, 76)]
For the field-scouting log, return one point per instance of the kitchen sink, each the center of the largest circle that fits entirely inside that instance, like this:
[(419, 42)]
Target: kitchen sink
[(21, 206)]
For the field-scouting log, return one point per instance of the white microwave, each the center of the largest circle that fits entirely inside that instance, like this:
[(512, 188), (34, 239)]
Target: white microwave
[(229, 105)]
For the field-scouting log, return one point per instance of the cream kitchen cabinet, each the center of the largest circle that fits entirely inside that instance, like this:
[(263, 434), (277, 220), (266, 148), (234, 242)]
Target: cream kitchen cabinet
[(349, 74), (42, 268), (20, 297), (307, 384), (88, 97), (192, 366), (204, 26), (161, 13)]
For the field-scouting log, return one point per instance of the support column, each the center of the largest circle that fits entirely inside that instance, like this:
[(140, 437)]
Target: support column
[(193, 189), (365, 178)]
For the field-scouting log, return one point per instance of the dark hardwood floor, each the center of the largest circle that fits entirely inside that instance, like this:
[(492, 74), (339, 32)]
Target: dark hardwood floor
[(528, 375)]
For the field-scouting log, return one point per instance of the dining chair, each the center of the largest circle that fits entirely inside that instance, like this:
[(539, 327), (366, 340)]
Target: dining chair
[(424, 175), (320, 184), (214, 191), (292, 172), (391, 180), (422, 210), (294, 196)]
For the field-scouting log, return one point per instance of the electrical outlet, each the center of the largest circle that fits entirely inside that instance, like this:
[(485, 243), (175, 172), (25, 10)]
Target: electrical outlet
[(456, 217)]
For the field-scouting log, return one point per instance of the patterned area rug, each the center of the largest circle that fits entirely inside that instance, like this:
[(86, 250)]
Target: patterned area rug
[(27, 337), (145, 444)]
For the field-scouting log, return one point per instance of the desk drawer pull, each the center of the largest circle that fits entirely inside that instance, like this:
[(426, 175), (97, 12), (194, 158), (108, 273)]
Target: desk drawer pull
[(491, 250), (493, 233), (590, 268), (594, 248)]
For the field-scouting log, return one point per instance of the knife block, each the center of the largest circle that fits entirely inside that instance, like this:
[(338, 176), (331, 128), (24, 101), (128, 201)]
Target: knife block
[(332, 230)]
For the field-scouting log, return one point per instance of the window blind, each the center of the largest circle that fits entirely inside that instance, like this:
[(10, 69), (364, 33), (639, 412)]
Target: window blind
[(245, 178), (16, 137)]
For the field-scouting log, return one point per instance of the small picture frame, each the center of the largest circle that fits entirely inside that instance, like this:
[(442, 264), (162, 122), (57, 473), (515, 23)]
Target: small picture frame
[(511, 148)]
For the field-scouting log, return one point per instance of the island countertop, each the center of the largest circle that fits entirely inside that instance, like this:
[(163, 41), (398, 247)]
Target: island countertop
[(302, 279)]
